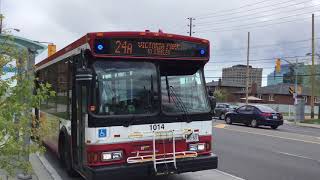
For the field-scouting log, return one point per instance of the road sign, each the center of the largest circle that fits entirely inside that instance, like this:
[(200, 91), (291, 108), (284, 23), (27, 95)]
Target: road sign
[(291, 90)]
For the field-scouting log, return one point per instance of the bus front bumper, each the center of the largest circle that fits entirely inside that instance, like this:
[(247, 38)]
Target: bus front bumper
[(147, 169)]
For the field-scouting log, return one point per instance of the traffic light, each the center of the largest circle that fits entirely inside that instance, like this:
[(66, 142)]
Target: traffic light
[(278, 65), (51, 49)]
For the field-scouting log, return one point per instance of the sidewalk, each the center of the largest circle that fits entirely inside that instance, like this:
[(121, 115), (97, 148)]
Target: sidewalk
[(302, 124), (39, 171)]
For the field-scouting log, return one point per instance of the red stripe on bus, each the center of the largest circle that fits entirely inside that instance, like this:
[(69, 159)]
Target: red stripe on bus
[(129, 148)]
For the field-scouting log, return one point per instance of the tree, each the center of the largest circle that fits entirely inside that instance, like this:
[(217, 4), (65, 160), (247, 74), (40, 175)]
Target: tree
[(17, 99), (308, 81), (220, 95)]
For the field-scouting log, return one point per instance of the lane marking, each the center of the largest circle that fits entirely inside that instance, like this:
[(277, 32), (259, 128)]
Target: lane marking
[(221, 126), (227, 174), (296, 155), (262, 134)]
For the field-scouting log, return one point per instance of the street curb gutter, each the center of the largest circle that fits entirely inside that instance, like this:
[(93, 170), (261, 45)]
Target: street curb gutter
[(53, 173), (303, 124)]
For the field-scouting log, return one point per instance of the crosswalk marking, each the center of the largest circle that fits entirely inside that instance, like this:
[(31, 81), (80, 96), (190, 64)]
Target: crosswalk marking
[(221, 126)]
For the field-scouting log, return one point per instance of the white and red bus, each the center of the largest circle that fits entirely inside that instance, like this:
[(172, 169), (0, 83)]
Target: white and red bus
[(129, 103)]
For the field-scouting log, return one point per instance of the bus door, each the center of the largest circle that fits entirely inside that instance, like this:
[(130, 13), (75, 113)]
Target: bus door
[(82, 117), (81, 100)]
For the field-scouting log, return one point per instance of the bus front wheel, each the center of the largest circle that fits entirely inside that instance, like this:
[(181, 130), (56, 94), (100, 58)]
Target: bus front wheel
[(65, 157)]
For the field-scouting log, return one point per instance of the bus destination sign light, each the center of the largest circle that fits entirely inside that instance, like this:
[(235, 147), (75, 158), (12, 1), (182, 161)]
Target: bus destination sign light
[(150, 47)]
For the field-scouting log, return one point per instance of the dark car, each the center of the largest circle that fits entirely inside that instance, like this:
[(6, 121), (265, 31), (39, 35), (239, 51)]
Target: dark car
[(213, 102), (222, 108), (255, 115)]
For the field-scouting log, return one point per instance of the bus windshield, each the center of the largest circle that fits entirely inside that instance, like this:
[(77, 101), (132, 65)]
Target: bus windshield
[(126, 87), (184, 93)]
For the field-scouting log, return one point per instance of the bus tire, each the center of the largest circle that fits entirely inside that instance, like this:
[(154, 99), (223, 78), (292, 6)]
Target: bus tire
[(65, 156)]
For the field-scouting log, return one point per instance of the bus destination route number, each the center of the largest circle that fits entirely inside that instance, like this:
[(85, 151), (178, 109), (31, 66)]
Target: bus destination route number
[(144, 47), (150, 48), (156, 127)]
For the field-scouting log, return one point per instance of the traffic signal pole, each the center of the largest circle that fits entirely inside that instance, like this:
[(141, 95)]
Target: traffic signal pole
[(295, 68)]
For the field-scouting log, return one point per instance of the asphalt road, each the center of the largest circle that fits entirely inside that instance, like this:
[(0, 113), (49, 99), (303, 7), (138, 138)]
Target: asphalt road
[(203, 175), (288, 153)]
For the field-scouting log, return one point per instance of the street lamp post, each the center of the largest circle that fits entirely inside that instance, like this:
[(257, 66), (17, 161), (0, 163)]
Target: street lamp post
[(44, 42), (8, 29), (51, 47), (295, 67)]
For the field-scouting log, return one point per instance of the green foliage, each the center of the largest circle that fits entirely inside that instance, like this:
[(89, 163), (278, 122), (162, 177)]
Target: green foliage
[(17, 101), (308, 80), (312, 121), (220, 95)]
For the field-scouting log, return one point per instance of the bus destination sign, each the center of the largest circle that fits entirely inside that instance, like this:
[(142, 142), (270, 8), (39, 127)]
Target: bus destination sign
[(140, 47)]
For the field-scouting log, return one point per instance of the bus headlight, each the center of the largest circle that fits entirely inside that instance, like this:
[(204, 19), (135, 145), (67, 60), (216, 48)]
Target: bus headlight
[(197, 147), (110, 156)]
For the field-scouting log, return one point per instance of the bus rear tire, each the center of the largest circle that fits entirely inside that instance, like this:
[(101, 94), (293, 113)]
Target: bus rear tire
[(65, 158)]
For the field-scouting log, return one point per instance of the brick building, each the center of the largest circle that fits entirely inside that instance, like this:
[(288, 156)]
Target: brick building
[(228, 88), (275, 94)]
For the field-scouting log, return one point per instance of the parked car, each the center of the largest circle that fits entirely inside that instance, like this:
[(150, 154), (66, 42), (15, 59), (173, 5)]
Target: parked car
[(255, 115), (222, 108), (213, 103)]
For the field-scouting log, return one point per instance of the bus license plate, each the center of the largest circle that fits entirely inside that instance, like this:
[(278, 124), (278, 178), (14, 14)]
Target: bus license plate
[(192, 138)]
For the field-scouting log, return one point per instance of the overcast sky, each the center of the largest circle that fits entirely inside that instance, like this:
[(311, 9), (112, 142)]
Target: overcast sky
[(273, 24)]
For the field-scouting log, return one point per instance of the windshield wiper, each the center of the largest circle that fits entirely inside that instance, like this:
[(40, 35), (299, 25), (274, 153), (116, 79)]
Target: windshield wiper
[(179, 104)]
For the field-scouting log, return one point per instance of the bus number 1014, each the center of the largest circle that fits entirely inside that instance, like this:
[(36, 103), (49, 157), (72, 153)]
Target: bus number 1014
[(123, 47), (156, 127)]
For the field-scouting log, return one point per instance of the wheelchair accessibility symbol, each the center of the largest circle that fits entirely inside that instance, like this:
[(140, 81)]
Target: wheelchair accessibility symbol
[(102, 133)]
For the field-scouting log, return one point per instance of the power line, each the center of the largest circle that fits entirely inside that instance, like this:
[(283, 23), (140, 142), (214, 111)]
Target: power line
[(237, 53), (267, 45), (215, 68), (250, 24), (254, 27), (299, 75), (227, 67), (236, 19), (263, 59), (217, 12)]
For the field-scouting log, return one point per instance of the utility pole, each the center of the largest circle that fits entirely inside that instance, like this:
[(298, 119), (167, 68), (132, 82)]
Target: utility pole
[(190, 25), (247, 74), (1, 17), (296, 89), (312, 71)]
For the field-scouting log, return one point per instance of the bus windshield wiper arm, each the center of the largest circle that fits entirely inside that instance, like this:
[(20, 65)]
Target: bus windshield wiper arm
[(179, 104)]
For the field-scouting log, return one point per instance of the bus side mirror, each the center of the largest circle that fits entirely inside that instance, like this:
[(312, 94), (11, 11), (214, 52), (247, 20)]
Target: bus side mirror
[(84, 75)]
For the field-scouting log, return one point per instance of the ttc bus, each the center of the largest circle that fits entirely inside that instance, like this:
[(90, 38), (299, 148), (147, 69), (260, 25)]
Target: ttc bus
[(128, 103)]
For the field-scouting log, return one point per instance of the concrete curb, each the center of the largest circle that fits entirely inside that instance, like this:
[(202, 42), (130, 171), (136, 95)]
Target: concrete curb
[(303, 124), (53, 173)]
